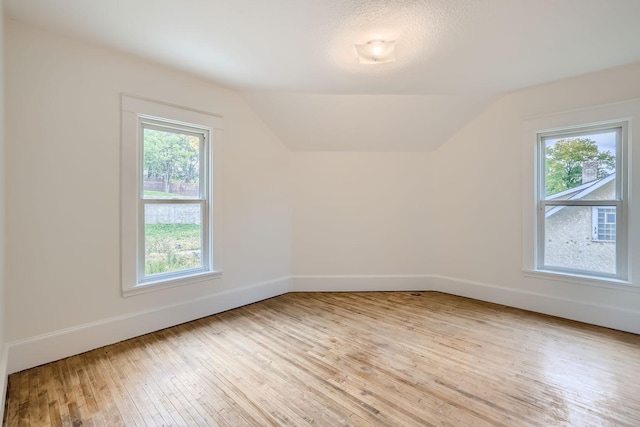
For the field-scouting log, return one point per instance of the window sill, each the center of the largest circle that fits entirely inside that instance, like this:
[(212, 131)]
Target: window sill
[(602, 282), (167, 283)]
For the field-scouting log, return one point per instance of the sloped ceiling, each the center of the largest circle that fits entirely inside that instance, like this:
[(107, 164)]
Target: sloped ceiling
[(296, 65)]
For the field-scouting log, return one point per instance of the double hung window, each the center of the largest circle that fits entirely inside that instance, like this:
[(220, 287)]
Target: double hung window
[(170, 203), (174, 202), (581, 201)]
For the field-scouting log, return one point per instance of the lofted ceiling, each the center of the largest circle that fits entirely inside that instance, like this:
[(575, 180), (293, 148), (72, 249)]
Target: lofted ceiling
[(295, 62)]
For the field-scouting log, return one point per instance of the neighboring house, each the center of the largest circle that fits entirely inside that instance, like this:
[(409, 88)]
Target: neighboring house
[(583, 237)]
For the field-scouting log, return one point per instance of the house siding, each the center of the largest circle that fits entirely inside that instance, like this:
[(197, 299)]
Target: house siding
[(568, 238)]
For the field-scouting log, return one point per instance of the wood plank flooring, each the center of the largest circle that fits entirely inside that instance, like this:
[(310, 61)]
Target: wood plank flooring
[(332, 359)]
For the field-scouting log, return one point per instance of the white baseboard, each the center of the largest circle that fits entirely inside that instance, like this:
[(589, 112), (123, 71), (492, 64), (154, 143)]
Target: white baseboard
[(34, 351), (587, 312), (596, 314), (3, 378), (363, 283)]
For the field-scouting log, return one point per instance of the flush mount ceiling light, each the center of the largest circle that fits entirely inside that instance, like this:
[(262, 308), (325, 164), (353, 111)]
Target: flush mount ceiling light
[(376, 52)]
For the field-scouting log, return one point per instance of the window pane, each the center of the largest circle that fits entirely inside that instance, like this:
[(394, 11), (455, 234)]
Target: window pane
[(604, 225), (572, 239), (172, 237), (581, 167), (171, 164), (610, 218)]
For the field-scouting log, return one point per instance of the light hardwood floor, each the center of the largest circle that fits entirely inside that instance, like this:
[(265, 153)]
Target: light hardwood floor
[(383, 359)]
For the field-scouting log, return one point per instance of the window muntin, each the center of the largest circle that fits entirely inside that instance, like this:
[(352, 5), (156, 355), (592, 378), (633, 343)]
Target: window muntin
[(578, 177)]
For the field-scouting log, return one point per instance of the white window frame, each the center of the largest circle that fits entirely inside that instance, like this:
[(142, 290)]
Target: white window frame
[(136, 113), (619, 202), (605, 115)]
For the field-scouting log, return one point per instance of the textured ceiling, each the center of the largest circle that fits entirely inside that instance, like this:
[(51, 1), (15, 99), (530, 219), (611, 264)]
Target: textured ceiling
[(296, 64)]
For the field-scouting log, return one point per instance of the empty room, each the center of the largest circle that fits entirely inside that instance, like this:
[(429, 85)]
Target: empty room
[(320, 212)]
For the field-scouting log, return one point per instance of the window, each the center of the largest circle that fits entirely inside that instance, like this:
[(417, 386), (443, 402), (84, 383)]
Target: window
[(581, 227), (170, 202), (581, 201), (604, 224), (174, 203)]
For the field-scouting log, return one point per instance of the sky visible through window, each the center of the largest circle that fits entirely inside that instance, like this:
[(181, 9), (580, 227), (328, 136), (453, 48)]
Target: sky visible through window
[(606, 141)]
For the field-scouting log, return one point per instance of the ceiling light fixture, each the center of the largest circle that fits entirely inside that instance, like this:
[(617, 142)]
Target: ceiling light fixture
[(376, 52)]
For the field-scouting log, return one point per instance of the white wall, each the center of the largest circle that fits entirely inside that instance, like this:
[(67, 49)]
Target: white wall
[(480, 225), (449, 220), (362, 213), (63, 134), (3, 322)]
